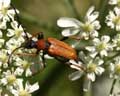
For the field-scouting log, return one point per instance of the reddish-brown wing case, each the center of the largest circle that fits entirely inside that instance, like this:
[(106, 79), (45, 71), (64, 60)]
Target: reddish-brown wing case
[(59, 48)]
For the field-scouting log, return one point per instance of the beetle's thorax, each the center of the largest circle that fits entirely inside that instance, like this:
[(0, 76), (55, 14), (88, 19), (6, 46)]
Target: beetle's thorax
[(42, 44)]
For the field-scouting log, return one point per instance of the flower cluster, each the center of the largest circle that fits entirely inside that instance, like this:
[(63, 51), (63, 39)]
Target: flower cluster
[(85, 29), (11, 37), (99, 52), (100, 48)]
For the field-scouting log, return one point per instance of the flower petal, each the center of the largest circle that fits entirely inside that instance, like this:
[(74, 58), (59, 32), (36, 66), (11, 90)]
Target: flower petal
[(4, 3), (91, 76), (75, 75), (112, 2), (68, 22), (117, 11), (99, 70), (33, 87), (69, 32), (91, 16), (10, 32)]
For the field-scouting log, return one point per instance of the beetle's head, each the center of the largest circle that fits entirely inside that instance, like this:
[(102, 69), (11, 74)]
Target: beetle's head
[(29, 44)]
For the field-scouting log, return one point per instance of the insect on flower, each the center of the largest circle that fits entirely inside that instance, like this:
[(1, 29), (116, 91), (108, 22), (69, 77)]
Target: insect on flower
[(50, 46)]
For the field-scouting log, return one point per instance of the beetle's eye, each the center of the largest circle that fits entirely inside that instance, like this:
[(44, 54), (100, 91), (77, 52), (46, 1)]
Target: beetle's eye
[(33, 44)]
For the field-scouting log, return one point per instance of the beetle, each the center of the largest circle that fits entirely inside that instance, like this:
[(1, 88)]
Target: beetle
[(50, 46)]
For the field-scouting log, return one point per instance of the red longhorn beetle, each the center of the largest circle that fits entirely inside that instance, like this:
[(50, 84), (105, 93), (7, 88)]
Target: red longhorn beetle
[(50, 46)]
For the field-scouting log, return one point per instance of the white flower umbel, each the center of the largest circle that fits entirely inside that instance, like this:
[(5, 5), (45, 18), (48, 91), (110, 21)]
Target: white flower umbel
[(94, 68), (91, 67), (113, 19), (85, 29), (26, 90), (100, 46), (13, 44), (5, 12), (115, 68), (114, 2), (14, 72)]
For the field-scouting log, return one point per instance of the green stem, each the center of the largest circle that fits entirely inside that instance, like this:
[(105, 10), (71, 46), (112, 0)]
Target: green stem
[(72, 8), (112, 87), (103, 9)]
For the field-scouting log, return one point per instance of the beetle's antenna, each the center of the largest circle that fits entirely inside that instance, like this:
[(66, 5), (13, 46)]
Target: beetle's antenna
[(12, 53), (18, 19)]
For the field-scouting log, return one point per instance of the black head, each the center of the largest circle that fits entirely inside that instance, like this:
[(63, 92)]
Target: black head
[(29, 44)]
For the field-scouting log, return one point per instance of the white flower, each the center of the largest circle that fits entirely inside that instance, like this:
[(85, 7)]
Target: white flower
[(19, 71), (5, 12), (91, 68), (26, 90), (113, 19), (115, 68), (114, 2), (24, 66), (16, 31), (87, 29), (100, 46), (94, 68), (13, 44), (8, 78)]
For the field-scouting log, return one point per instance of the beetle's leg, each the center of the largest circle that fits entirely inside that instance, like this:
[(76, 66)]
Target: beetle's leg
[(71, 37), (64, 38), (43, 60), (76, 37)]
